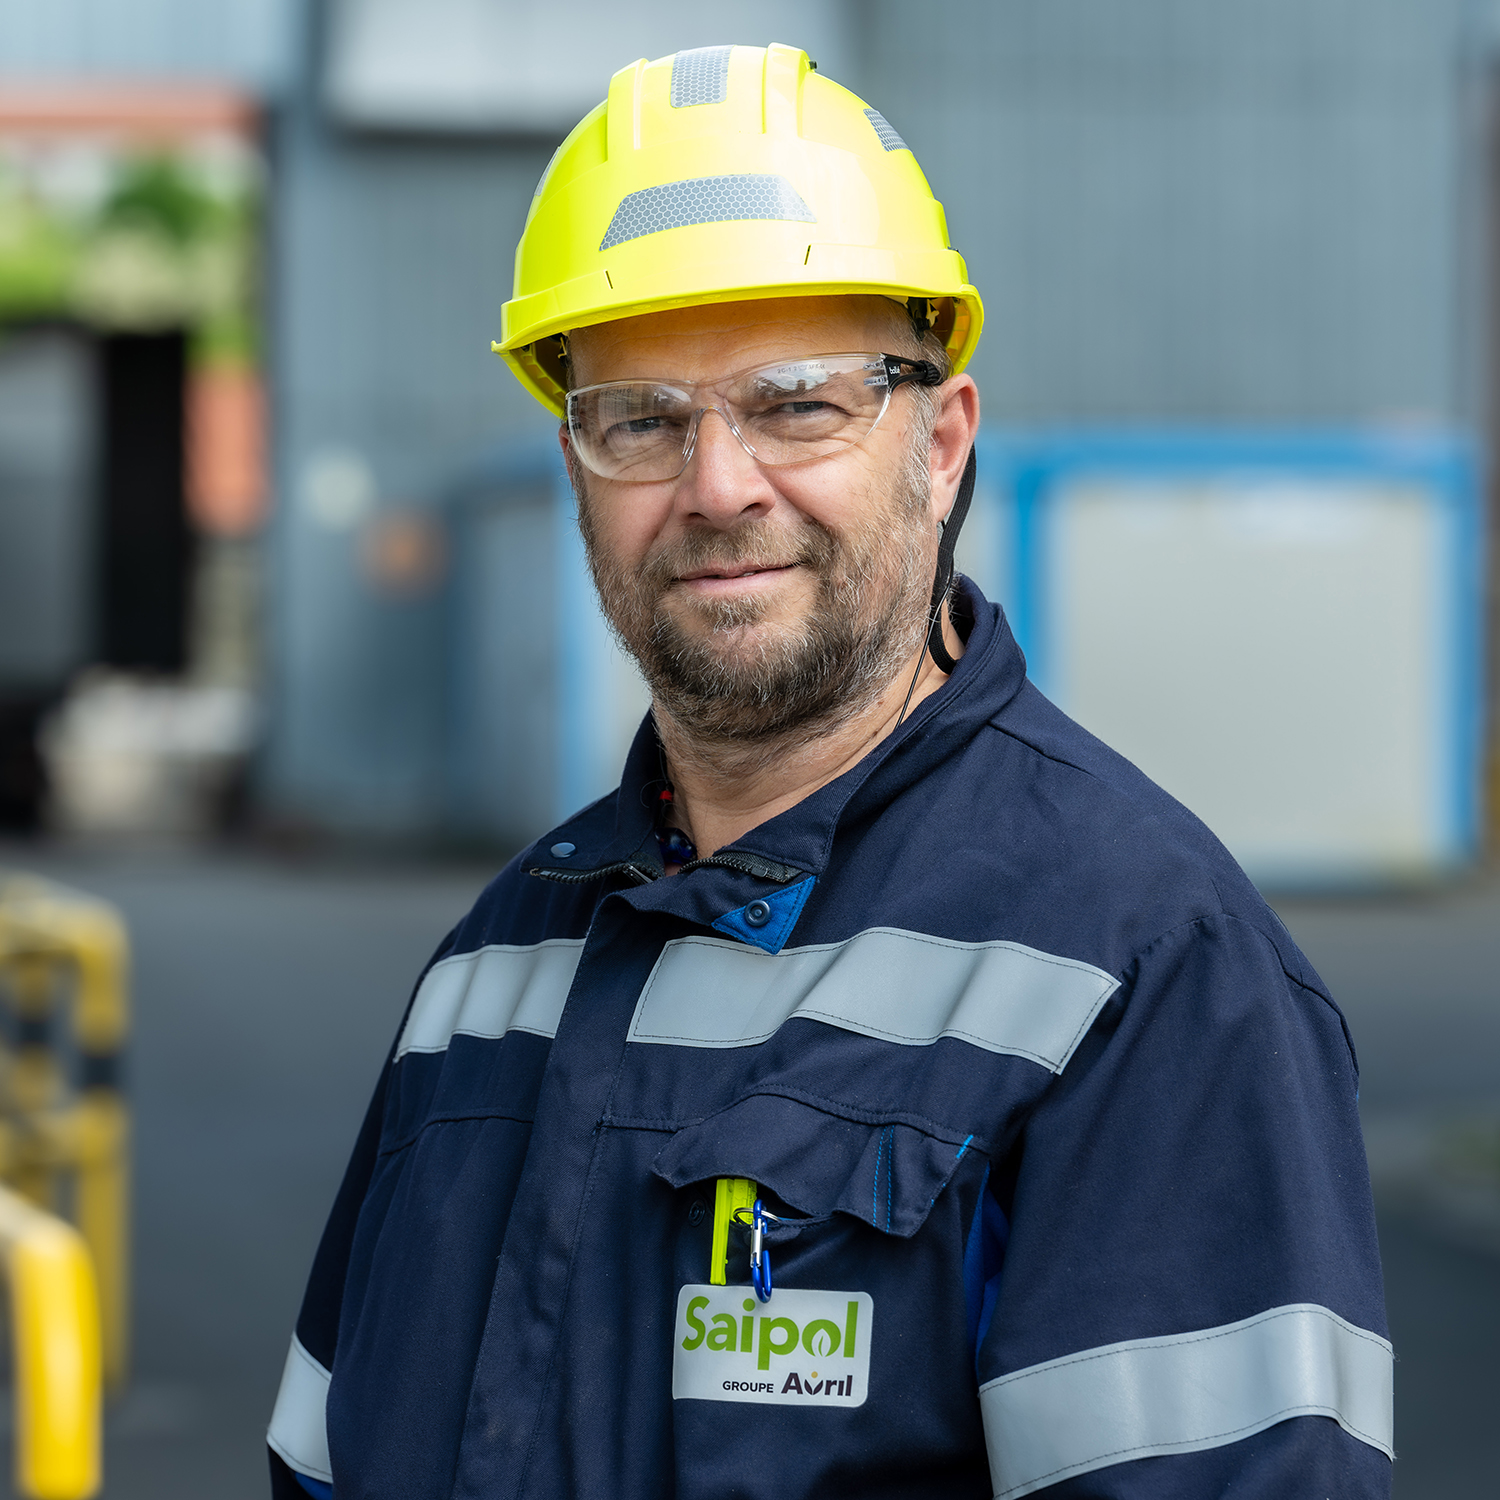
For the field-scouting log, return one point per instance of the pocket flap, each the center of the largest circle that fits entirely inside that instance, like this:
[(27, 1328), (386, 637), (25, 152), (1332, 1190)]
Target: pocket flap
[(818, 1163)]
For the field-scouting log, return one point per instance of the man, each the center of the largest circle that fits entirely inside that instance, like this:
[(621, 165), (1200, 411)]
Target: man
[(888, 1091)]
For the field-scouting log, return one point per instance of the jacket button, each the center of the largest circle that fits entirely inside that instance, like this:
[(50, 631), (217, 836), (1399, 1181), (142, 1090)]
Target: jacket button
[(562, 851), (758, 913), (697, 1210)]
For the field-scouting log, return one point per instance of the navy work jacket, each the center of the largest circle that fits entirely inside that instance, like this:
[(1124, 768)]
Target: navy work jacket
[(1058, 1125)]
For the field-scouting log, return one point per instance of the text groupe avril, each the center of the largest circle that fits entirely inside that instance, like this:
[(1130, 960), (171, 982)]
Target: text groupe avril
[(794, 1382)]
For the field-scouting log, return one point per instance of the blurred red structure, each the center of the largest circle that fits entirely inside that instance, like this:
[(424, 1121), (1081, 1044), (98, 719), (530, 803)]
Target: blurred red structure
[(226, 488), (162, 112)]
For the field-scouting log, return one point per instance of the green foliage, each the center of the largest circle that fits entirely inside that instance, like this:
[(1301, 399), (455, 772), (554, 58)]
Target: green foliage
[(37, 260), (155, 193), (169, 241)]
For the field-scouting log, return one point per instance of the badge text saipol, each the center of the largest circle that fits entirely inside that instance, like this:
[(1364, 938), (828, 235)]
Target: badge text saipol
[(801, 1348)]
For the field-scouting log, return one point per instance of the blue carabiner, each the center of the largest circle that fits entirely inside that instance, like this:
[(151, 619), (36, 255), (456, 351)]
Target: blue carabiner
[(760, 1257)]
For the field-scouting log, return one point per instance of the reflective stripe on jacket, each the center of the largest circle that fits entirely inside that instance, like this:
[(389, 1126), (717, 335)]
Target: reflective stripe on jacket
[(1059, 1125)]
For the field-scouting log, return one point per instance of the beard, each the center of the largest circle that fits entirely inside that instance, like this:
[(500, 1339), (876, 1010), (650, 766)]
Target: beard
[(718, 676)]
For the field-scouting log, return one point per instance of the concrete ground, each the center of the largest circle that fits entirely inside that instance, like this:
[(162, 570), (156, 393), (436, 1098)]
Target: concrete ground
[(267, 992), (1419, 978)]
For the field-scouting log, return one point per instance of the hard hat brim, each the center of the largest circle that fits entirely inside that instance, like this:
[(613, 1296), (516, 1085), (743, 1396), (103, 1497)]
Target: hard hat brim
[(557, 310)]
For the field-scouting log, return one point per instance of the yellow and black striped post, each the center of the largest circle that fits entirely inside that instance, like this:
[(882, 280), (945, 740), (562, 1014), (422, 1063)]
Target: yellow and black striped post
[(64, 1126)]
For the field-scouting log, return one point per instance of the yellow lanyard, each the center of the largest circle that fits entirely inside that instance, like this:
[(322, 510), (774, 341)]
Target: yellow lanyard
[(731, 1194)]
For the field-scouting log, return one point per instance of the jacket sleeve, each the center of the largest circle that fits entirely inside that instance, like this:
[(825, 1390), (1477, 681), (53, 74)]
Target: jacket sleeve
[(298, 1434), (1190, 1302), (298, 1437)]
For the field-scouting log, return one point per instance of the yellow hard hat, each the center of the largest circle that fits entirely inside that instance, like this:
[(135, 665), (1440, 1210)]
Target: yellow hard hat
[(725, 174)]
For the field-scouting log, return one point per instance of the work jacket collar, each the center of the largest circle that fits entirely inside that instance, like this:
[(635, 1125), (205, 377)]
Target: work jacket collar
[(616, 835)]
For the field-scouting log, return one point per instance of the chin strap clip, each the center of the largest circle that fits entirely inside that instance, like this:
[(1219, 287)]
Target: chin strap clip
[(944, 579)]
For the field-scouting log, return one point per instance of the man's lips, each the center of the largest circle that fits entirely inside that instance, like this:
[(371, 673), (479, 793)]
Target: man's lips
[(734, 573)]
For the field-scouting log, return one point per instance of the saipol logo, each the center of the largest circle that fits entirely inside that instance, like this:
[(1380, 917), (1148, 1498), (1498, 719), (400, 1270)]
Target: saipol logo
[(801, 1348)]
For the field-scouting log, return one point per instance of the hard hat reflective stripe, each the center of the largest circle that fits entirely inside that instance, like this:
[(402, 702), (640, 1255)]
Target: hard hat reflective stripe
[(299, 1429), (1184, 1393), (700, 76), (705, 200), (888, 137)]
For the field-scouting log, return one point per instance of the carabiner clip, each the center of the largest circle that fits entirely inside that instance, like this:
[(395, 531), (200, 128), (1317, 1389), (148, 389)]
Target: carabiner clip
[(760, 1257)]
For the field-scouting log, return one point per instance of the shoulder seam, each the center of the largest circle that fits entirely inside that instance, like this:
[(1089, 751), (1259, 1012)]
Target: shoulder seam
[(1295, 979)]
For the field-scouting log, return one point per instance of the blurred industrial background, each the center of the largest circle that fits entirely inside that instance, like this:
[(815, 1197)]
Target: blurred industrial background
[(296, 643)]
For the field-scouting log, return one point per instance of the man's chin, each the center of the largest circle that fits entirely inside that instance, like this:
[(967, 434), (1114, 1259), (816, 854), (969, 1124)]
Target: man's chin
[(733, 631)]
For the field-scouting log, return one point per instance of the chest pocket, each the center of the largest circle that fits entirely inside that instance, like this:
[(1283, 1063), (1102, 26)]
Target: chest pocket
[(888, 1174), (859, 1363)]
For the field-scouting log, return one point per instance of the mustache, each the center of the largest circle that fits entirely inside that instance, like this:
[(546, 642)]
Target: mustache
[(754, 544)]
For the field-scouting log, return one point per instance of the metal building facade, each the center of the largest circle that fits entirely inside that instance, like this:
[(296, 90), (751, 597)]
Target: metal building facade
[(1178, 212), (1229, 212), (1220, 211)]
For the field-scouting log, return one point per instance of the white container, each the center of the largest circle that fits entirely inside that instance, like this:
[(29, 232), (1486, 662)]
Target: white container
[(1285, 633)]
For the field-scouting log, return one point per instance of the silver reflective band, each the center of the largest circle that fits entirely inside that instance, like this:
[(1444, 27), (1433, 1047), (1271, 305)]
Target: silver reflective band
[(888, 137), (299, 1430), (491, 991), (903, 987), (700, 76), (705, 200), (1184, 1393)]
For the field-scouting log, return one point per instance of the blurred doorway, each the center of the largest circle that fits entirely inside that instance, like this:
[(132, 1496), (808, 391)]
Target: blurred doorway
[(146, 545)]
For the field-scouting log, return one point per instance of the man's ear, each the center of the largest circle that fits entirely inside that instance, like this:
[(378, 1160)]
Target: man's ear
[(953, 435)]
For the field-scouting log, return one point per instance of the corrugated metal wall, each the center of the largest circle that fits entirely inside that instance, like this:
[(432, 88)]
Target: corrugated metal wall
[(390, 260), (1195, 209)]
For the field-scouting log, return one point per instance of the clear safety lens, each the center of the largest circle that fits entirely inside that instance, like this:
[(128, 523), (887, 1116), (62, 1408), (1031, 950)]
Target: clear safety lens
[(644, 430)]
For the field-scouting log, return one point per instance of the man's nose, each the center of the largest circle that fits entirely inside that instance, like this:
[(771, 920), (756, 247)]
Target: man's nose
[(722, 481)]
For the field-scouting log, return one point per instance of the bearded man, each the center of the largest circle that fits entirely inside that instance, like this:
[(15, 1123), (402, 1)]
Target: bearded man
[(887, 1091)]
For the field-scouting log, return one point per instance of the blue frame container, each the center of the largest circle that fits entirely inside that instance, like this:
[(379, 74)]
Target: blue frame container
[(1027, 473)]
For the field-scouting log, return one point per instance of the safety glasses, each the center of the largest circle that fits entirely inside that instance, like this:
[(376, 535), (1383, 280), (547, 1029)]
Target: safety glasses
[(643, 431)]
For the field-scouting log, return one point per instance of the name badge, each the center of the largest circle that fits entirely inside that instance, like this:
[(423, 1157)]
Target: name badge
[(801, 1348)]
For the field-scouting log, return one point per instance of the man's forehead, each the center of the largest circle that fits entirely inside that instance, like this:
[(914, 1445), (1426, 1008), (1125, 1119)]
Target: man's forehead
[(723, 336)]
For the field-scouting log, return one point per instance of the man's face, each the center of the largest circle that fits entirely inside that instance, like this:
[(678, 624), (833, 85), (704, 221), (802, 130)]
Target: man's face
[(762, 599)]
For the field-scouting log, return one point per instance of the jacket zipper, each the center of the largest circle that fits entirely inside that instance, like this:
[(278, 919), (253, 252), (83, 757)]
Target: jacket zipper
[(746, 864), (638, 873)]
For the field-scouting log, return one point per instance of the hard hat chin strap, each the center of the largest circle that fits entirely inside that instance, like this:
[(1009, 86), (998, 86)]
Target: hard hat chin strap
[(944, 579)]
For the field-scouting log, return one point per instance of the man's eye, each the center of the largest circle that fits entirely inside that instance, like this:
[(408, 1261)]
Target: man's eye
[(795, 409), (636, 427)]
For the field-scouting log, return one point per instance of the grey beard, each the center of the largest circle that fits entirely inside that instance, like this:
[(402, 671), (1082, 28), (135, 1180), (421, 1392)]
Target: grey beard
[(869, 618)]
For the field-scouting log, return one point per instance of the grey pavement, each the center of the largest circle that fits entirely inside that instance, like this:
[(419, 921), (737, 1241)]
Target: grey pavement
[(1418, 976), (267, 991)]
